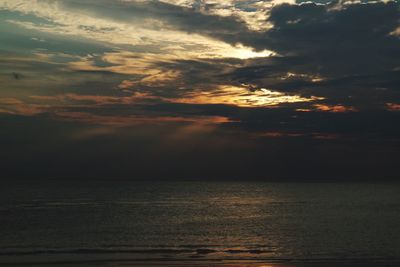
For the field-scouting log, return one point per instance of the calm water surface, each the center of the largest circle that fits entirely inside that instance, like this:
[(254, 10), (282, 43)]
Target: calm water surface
[(199, 220)]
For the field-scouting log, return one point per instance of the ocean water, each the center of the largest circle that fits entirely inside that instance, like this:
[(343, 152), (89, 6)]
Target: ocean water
[(120, 220)]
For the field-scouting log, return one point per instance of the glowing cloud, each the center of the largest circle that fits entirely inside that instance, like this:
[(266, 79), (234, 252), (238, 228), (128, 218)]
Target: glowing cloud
[(243, 97), (334, 109), (393, 107), (145, 32)]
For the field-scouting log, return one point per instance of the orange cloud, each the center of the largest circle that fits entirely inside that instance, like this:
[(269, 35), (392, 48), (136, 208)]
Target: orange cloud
[(17, 107), (242, 96), (334, 108), (131, 120), (393, 107), (61, 111)]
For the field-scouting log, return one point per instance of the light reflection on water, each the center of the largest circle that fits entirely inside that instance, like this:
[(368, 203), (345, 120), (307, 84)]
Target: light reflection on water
[(202, 220)]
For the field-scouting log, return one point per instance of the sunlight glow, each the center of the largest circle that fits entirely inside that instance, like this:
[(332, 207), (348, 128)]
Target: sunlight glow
[(243, 97), (244, 52)]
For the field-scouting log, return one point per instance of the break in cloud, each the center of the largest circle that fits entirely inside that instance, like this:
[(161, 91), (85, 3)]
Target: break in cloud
[(223, 86)]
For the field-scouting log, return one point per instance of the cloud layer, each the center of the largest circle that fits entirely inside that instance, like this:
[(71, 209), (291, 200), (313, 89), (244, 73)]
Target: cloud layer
[(269, 78)]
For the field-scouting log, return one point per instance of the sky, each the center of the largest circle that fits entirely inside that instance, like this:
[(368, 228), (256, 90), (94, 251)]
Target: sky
[(200, 89)]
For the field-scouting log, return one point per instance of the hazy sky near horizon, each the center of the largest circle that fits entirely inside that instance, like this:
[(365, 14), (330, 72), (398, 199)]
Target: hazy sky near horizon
[(207, 89)]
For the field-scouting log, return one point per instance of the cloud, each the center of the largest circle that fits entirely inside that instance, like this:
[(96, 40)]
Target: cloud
[(319, 47), (179, 150), (344, 52), (158, 27), (241, 84), (243, 97), (353, 39), (396, 32), (393, 106)]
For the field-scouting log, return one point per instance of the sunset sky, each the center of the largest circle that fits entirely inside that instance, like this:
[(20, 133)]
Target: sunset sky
[(200, 89)]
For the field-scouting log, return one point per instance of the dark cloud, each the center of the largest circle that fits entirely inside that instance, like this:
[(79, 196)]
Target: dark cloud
[(96, 120), (175, 17), (73, 150), (344, 52), (333, 39), (338, 39)]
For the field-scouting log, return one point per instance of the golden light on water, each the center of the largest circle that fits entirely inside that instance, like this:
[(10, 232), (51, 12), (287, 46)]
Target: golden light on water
[(243, 97)]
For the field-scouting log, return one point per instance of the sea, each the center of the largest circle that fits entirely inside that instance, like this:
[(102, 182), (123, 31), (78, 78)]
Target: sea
[(125, 221)]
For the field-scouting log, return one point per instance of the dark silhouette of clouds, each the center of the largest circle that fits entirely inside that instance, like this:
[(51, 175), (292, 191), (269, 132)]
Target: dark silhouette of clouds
[(62, 150), (338, 39), (345, 53)]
